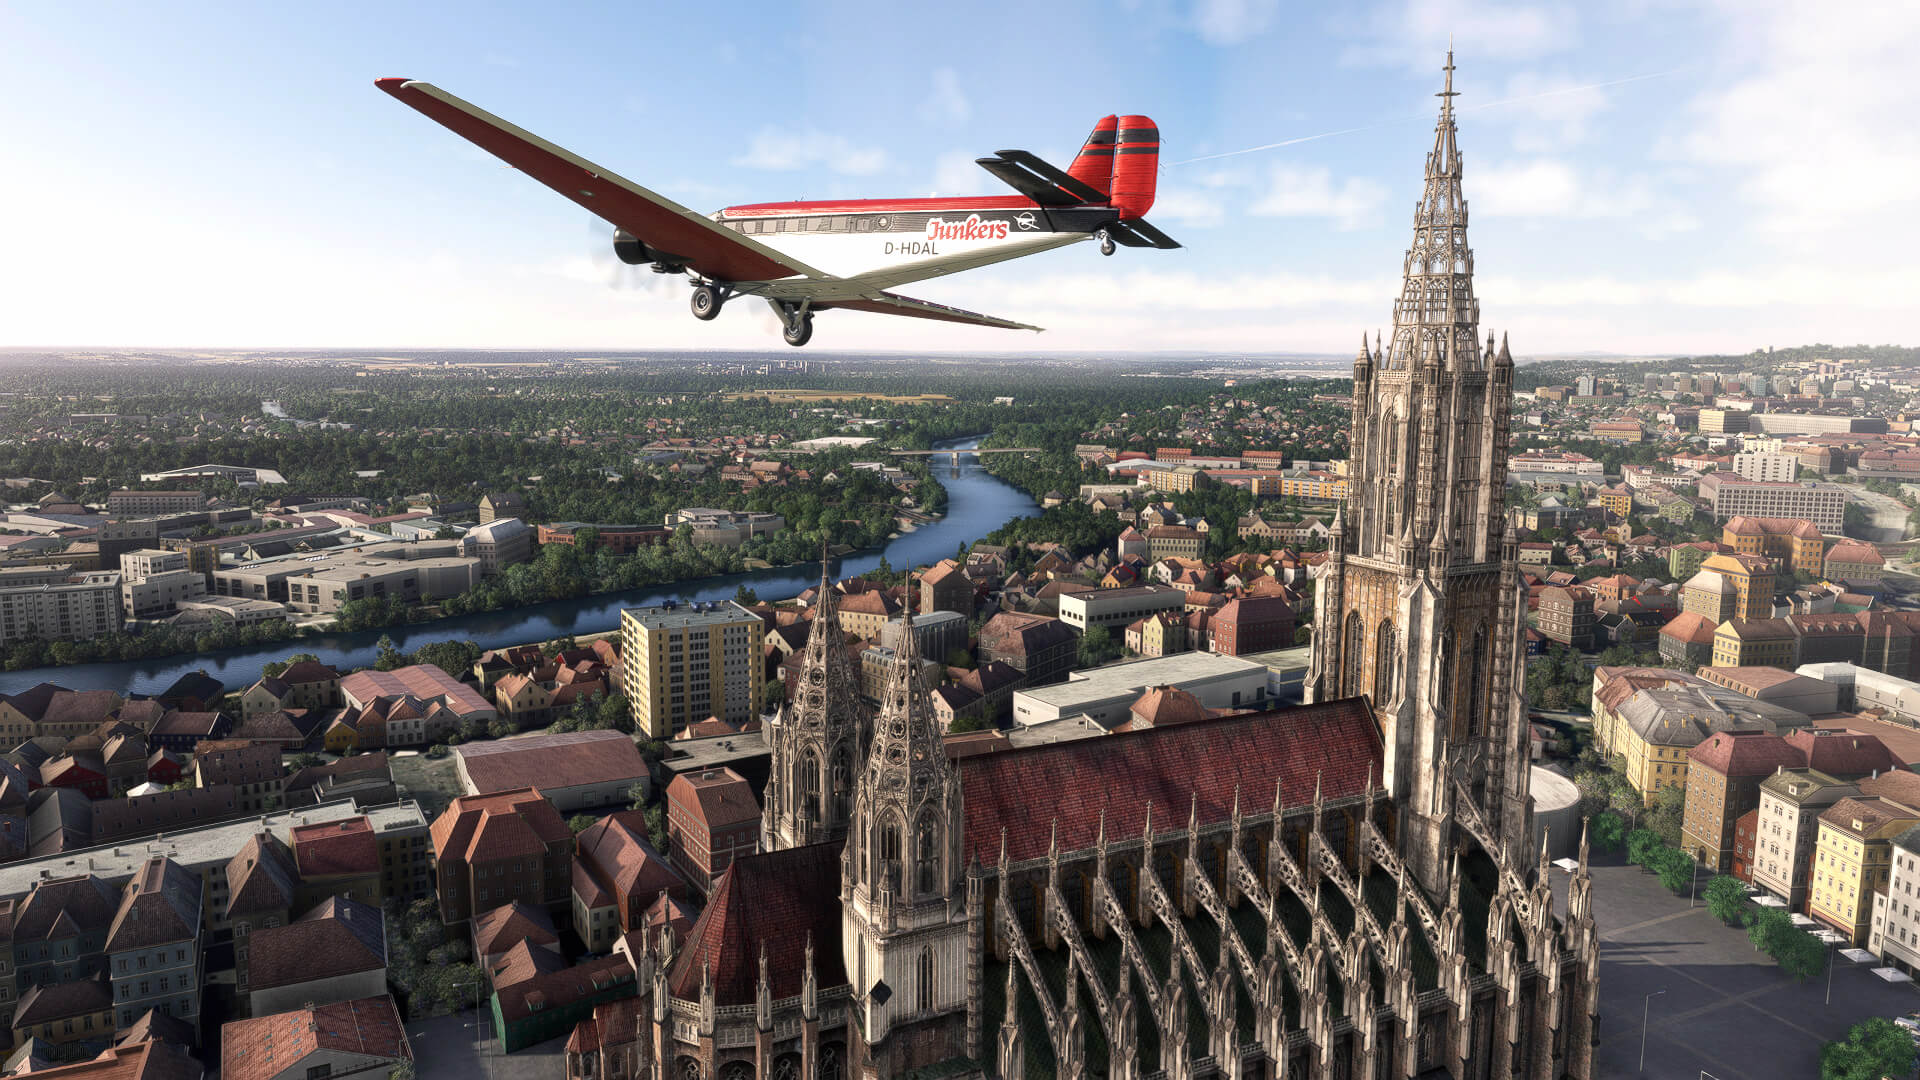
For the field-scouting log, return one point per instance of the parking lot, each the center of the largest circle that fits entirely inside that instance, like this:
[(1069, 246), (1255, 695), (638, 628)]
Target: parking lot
[(1726, 1009), (445, 1048)]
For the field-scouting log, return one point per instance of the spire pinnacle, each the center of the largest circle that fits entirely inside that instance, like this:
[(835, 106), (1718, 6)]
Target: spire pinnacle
[(1447, 95)]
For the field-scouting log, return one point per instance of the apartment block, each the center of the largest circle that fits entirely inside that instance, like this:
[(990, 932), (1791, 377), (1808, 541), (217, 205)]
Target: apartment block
[(687, 662), (70, 608), (1733, 496)]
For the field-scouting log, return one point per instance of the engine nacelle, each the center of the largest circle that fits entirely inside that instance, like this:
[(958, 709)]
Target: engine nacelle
[(630, 250)]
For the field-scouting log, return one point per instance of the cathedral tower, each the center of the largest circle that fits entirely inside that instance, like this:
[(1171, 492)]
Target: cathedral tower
[(904, 902), (818, 741), (1419, 605)]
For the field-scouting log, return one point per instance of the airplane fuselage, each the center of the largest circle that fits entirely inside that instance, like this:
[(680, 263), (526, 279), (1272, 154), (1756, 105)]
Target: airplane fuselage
[(888, 242)]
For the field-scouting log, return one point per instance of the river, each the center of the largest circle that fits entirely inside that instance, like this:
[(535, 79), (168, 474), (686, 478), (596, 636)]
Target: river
[(977, 504)]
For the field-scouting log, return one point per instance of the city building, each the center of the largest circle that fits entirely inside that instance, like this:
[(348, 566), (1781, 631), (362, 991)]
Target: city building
[(577, 770), (1770, 468), (1752, 579), (347, 1038), (1566, 616), (1895, 931), (1853, 856), (618, 879), (127, 501), (1754, 643), (1105, 694), (1174, 542), (946, 587), (618, 539), (60, 606), (494, 849), (1723, 783), (411, 706), (1793, 541), (939, 632), (335, 952), (496, 505), (1251, 624), (1733, 496), (1042, 649), (1653, 722), (326, 583), (498, 544), (153, 949), (1791, 802), (1114, 609), (1687, 640), (712, 819), (1849, 561), (688, 662)]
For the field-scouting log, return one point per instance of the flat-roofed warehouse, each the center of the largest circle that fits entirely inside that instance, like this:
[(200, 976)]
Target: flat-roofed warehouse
[(578, 770)]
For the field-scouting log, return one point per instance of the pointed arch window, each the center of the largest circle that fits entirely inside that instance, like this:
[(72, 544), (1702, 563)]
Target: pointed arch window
[(809, 787), (1476, 683), (840, 788), (923, 991), (1385, 653), (926, 855), (889, 860), (1351, 650)]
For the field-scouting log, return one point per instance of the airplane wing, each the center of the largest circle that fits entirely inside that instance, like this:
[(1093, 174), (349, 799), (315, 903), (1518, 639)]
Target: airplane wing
[(658, 222), (887, 303)]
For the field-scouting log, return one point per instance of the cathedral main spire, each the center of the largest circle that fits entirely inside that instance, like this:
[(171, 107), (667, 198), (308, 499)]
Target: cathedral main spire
[(1415, 609)]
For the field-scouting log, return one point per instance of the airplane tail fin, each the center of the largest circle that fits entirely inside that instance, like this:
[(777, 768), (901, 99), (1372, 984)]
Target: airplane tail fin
[(1094, 165), (1136, 166)]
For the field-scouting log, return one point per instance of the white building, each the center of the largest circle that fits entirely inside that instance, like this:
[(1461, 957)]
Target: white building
[(1895, 931), (1115, 608), (1771, 468), (1105, 695), (1865, 688), (72, 607), (499, 544)]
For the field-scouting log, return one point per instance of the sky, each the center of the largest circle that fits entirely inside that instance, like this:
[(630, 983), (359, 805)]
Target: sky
[(1644, 177)]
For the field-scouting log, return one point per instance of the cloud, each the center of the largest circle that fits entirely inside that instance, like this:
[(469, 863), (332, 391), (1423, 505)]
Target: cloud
[(1196, 209), (782, 150), (1549, 112), (1552, 188), (946, 103), (1230, 22), (1298, 192), (954, 173), (1413, 34)]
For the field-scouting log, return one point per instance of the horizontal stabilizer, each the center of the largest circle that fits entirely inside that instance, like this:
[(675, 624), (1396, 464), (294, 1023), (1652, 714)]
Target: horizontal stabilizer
[(1078, 189), (1027, 182), (1137, 233)]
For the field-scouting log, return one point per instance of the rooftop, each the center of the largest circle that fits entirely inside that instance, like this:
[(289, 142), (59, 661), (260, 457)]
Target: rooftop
[(1132, 677), (551, 762), (685, 616)]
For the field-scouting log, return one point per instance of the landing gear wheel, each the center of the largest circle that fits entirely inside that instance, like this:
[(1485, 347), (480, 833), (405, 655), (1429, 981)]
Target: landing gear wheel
[(1106, 242), (705, 302), (799, 329)]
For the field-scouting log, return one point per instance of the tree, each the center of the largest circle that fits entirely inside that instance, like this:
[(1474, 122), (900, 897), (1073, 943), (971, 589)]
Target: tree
[(390, 655), (773, 694), (580, 823), (1303, 634), (1801, 955), (303, 761), (637, 796), (453, 657), (970, 722), (1767, 928), (1675, 867), (277, 668), (1643, 845), (613, 713), (1097, 647), (1669, 810), (501, 728), (745, 596), (1726, 898), (1606, 832), (959, 657), (1874, 1047), (657, 828)]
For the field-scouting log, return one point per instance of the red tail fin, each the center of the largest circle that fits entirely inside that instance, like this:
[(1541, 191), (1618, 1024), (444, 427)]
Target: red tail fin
[(1094, 166), (1136, 165)]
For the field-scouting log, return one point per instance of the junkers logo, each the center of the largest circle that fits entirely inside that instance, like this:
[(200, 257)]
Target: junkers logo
[(1025, 220), (973, 228)]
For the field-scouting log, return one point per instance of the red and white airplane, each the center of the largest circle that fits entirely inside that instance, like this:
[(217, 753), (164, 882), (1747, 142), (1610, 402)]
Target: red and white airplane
[(803, 257)]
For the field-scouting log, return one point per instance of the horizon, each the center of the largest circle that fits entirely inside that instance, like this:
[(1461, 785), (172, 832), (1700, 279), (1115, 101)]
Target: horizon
[(1680, 181)]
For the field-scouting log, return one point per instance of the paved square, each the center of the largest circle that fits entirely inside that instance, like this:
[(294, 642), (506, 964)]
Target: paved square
[(444, 1049), (1728, 1010)]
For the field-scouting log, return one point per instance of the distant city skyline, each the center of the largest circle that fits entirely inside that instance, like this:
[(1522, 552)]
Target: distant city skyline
[(1653, 180)]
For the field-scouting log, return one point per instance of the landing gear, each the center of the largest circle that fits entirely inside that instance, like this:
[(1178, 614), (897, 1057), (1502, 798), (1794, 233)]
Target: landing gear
[(796, 323), (1106, 242), (799, 330), (706, 301)]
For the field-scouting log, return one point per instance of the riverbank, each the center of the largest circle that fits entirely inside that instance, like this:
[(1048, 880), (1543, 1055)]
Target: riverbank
[(977, 504)]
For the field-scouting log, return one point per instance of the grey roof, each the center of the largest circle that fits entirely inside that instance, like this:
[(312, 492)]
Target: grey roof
[(161, 905), (1685, 715)]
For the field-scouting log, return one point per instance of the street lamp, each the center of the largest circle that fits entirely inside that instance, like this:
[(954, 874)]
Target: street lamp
[(1645, 1006)]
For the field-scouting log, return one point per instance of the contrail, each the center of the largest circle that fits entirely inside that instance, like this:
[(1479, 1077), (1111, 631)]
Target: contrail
[(1403, 119)]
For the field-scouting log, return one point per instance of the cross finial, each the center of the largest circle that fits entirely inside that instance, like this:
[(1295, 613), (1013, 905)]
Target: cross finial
[(1447, 95)]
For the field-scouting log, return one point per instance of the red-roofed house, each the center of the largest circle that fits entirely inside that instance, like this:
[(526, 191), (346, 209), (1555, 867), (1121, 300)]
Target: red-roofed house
[(336, 858), (1724, 772), (712, 819), (349, 1037), (617, 876), (493, 849)]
